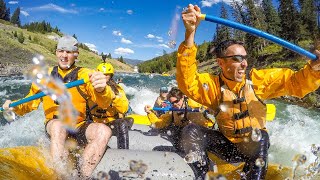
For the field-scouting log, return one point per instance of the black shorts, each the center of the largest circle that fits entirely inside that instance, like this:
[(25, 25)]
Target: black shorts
[(79, 135)]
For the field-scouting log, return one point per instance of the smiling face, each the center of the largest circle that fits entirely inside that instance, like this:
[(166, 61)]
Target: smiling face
[(66, 58), (231, 69), (176, 103)]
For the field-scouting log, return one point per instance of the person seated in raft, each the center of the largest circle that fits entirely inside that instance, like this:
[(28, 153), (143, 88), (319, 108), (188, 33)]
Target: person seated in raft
[(93, 136), (173, 122), (161, 101), (237, 98), (114, 115)]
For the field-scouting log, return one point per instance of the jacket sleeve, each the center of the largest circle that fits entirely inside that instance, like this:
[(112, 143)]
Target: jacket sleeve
[(161, 122), (203, 88), (271, 83), (31, 105), (104, 98), (121, 103)]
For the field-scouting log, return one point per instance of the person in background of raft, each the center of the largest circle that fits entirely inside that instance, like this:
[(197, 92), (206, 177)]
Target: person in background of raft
[(175, 121), (162, 101), (114, 115), (236, 98), (94, 136)]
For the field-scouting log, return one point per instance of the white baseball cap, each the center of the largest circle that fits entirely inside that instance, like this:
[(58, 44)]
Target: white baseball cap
[(67, 43)]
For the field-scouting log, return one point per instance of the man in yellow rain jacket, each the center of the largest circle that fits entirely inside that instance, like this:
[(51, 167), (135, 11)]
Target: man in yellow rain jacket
[(236, 98), (173, 122), (114, 114), (94, 135)]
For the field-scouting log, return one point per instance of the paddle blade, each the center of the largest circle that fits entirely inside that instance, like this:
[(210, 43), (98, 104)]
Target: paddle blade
[(271, 112)]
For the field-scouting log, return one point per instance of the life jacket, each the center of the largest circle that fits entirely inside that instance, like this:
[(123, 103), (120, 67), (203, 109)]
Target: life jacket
[(78, 101), (195, 117), (97, 114), (239, 114)]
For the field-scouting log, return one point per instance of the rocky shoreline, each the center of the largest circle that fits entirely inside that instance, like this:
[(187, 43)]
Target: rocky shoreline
[(11, 70)]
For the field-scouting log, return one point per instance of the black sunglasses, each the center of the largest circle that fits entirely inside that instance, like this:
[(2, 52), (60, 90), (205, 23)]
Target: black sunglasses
[(176, 101), (238, 58)]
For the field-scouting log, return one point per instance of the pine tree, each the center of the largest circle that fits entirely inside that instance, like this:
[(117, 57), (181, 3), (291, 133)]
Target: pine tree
[(239, 15), (3, 9), (317, 4), (7, 15), (15, 19), (222, 32), (74, 35), (109, 56), (308, 15), (289, 20), (121, 59), (272, 17), (257, 20)]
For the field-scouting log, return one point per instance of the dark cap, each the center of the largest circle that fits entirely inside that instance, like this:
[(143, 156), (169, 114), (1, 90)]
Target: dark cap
[(164, 90)]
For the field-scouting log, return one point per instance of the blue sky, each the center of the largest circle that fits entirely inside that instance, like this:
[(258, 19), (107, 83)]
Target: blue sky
[(135, 29)]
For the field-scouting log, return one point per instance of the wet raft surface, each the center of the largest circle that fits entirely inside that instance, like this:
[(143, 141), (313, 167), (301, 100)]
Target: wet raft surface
[(140, 162)]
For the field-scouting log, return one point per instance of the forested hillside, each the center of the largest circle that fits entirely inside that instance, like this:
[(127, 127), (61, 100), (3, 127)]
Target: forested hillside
[(298, 24)]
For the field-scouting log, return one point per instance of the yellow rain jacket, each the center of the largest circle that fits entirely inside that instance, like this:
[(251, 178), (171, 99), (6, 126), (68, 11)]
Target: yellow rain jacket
[(116, 109), (266, 84), (50, 107), (166, 119)]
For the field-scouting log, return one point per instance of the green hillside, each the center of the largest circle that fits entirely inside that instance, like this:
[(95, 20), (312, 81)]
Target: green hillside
[(15, 57)]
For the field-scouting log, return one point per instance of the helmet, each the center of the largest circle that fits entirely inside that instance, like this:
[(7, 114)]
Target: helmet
[(105, 68)]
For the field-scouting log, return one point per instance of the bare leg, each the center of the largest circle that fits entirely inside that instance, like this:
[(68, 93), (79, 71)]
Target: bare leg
[(97, 135), (58, 135)]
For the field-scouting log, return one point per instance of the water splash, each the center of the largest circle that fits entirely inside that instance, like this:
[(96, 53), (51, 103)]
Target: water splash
[(9, 115), (172, 33), (192, 157), (315, 150), (54, 88), (256, 135), (298, 160), (260, 162)]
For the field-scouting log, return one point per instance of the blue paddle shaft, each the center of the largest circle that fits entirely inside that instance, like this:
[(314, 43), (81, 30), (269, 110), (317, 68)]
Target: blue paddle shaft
[(262, 34), (41, 94), (174, 109)]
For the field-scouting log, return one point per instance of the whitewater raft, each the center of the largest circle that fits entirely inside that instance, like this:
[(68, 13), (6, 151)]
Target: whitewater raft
[(141, 161)]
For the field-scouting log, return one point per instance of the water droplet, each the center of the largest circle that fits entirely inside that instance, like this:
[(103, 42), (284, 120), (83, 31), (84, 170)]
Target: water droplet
[(299, 159), (169, 133), (243, 175), (184, 10), (256, 135), (302, 123), (246, 139), (170, 32), (71, 144), (260, 162), (205, 86), (215, 177), (191, 157), (315, 150), (172, 44), (223, 107), (9, 115)]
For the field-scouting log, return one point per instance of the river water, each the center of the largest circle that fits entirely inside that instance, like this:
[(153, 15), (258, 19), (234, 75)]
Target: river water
[(292, 132)]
